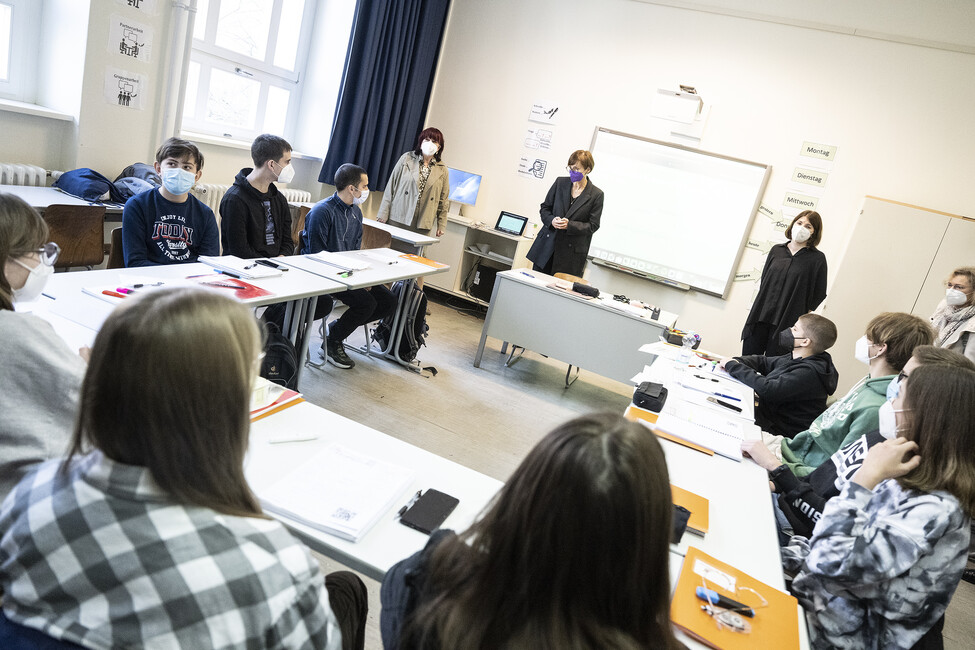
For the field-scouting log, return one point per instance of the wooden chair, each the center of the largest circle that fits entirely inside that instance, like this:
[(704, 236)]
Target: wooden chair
[(115, 258), (298, 225), (80, 232), (373, 237)]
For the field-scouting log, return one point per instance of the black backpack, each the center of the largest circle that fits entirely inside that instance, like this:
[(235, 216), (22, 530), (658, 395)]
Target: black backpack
[(415, 327), (280, 363)]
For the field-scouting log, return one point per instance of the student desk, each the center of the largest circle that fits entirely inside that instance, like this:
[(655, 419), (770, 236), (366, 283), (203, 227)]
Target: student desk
[(594, 335), (41, 197), (389, 541), (385, 265), (414, 241)]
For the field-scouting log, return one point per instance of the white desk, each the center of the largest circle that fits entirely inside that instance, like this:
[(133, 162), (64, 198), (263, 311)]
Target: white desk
[(594, 335), (389, 541), (413, 240), (41, 197)]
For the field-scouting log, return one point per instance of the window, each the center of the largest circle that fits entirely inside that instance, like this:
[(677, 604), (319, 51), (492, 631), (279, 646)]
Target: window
[(246, 67), (19, 21)]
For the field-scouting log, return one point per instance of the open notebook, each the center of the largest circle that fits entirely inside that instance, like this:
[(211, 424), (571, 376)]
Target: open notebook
[(339, 491)]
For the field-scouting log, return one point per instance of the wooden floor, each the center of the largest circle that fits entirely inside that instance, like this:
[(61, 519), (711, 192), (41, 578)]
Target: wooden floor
[(487, 418)]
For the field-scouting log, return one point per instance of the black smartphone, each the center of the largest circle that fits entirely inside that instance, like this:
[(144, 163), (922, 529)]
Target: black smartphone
[(429, 511)]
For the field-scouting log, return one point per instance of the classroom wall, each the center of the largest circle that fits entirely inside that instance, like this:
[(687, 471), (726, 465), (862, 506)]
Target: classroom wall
[(896, 112)]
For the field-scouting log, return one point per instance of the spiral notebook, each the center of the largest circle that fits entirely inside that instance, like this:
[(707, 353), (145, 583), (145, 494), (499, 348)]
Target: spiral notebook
[(722, 435)]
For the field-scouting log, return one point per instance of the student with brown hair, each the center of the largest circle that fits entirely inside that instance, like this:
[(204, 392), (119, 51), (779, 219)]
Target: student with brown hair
[(572, 553), (889, 551), (39, 374), (148, 533)]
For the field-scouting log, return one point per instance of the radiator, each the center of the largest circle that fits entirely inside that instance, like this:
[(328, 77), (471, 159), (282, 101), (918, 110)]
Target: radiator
[(18, 174), (212, 193)]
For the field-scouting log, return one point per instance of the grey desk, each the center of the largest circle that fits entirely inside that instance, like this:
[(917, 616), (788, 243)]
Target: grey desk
[(41, 197), (589, 334)]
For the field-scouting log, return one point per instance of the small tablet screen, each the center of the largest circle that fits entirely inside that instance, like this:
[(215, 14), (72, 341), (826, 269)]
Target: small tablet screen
[(511, 223)]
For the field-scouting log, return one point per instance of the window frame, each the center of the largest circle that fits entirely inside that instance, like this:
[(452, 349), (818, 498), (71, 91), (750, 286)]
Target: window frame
[(22, 64), (211, 57)]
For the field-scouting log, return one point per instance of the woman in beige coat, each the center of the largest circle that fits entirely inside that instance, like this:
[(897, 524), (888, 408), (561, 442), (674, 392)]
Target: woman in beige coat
[(416, 194)]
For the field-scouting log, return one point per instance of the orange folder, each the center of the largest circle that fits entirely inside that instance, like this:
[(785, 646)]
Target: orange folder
[(286, 399), (424, 260), (636, 413), (698, 505), (773, 626)]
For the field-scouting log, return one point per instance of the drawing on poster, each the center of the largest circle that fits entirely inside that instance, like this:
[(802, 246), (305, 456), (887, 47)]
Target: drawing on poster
[(532, 167), (130, 39), (536, 138), (145, 7), (124, 88), (543, 112)]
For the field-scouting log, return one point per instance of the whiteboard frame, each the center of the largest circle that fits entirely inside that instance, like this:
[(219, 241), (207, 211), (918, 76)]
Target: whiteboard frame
[(744, 235)]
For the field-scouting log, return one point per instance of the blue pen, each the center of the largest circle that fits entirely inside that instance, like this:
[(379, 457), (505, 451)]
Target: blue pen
[(737, 399)]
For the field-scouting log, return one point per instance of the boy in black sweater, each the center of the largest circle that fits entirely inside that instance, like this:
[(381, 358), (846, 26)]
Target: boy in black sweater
[(792, 388)]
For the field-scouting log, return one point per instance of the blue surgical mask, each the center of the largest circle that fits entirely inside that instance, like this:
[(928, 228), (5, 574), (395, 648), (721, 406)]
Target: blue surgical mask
[(178, 181), (893, 389)]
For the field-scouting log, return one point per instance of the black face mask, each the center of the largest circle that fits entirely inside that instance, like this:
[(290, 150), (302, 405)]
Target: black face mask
[(787, 339)]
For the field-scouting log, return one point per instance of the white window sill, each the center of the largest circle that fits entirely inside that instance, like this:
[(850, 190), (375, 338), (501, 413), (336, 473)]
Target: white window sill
[(24, 108), (230, 143)]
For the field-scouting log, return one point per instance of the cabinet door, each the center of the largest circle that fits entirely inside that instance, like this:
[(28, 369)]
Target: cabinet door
[(957, 249), (885, 264)]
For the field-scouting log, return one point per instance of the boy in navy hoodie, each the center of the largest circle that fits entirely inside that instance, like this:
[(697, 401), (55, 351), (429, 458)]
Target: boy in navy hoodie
[(167, 225), (791, 388)]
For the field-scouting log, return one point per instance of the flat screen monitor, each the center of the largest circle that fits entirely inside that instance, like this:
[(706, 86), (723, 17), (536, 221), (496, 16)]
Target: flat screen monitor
[(463, 186)]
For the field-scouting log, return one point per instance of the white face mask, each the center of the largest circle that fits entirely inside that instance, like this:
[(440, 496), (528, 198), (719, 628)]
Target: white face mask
[(428, 148), (35, 282), (887, 420), (800, 234), (862, 350), (287, 174), (359, 200), (954, 297)]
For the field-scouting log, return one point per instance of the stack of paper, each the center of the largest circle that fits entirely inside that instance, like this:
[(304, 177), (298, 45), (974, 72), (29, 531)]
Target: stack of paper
[(247, 269), (339, 491), (339, 261), (721, 435)]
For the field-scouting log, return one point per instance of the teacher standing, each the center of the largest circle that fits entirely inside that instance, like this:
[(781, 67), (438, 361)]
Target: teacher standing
[(416, 194), (570, 215), (793, 283)]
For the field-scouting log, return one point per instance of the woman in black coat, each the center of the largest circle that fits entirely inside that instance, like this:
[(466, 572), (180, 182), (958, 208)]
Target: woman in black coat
[(793, 283), (570, 215)]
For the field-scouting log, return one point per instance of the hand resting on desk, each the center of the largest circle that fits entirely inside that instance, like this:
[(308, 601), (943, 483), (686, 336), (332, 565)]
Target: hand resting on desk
[(758, 452)]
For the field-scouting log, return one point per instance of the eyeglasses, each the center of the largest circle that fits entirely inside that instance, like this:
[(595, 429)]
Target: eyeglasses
[(49, 253)]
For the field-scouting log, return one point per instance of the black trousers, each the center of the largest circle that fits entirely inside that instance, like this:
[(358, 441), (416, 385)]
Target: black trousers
[(764, 339), (349, 601), (364, 306)]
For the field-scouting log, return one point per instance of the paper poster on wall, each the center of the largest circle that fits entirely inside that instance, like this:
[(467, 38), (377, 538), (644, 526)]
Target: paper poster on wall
[(130, 38), (124, 88), (800, 201), (544, 112), (536, 138), (146, 7), (531, 167), (769, 212), (749, 276)]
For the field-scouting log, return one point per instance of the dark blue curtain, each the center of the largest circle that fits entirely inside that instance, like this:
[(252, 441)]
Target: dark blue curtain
[(386, 86)]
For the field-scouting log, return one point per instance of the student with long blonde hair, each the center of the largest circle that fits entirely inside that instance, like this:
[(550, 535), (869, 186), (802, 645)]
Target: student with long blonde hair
[(148, 533)]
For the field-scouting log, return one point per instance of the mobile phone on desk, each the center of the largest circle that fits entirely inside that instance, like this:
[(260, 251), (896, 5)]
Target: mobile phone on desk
[(429, 511)]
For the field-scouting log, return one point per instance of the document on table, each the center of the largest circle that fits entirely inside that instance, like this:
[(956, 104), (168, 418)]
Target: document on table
[(339, 261), (339, 491), (707, 429), (247, 269)]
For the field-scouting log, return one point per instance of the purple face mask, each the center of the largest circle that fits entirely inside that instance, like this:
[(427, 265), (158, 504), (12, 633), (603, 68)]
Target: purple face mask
[(575, 176)]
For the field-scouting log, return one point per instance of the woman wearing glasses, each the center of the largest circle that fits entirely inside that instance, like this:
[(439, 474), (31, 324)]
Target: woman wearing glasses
[(954, 319), (570, 215), (39, 374)]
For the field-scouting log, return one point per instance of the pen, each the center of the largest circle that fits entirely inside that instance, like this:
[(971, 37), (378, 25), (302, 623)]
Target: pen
[(403, 510), (272, 265), (47, 296), (114, 294), (707, 378), (528, 274), (715, 400), (226, 273), (714, 598), (250, 266), (393, 262), (731, 397)]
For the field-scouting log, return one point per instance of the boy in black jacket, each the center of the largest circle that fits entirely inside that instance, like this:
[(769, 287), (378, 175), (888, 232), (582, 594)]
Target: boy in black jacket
[(255, 217), (791, 388)]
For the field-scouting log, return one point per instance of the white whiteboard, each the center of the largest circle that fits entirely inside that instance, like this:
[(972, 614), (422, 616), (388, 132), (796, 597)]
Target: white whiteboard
[(673, 214)]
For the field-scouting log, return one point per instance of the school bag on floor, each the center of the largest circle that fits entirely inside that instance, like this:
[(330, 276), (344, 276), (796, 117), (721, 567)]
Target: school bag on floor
[(415, 328), (280, 363)]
